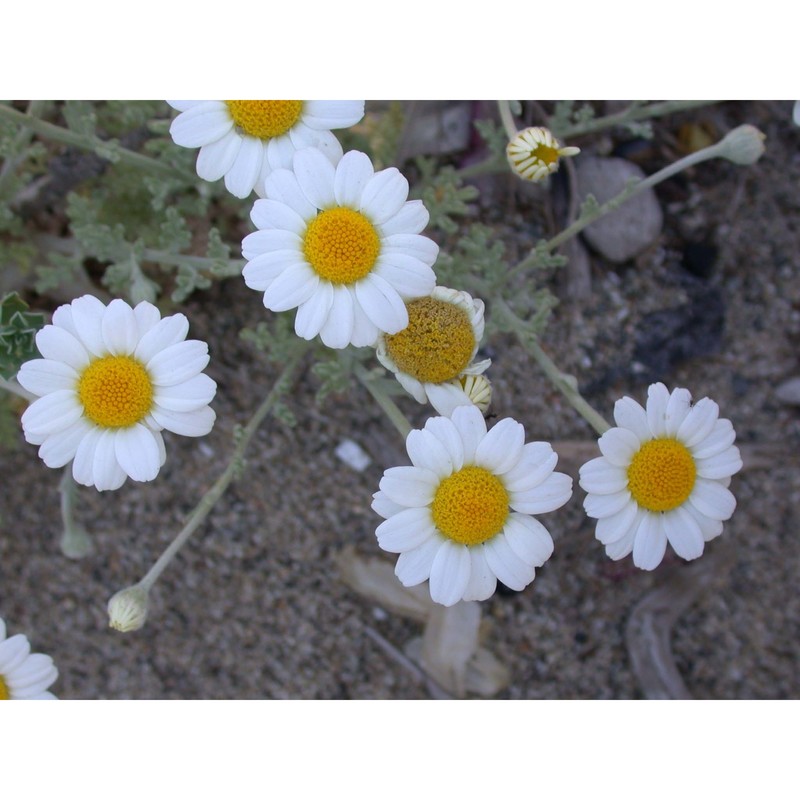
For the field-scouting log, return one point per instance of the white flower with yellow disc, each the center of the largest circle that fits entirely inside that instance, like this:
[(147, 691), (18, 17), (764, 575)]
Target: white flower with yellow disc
[(461, 515), (244, 140), (112, 378), (534, 153), (663, 477), (342, 245), (433, 355), (24, 675)]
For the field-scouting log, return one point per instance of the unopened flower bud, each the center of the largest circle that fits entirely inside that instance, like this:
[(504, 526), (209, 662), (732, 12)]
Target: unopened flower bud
[(534, 153), (127, 609), (743, 145), (478, 389)]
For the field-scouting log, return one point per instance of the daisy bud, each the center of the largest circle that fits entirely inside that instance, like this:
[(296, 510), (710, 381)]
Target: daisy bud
[(533, 153), (127, 609), (743, 145), (478, 389)]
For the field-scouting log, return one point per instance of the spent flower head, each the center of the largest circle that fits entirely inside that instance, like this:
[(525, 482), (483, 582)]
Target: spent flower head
[(112, 378), (244, 140), (462, 515), (436, 350), (663, 477), (342, 245), (534, 153), (127, 609), (24, 675)]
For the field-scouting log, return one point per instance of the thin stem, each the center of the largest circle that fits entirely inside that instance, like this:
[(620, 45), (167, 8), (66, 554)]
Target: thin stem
[(210, 498), (14, 388), (75, 541), (507, 118), (65, 136), (629, 115), (396, 416)]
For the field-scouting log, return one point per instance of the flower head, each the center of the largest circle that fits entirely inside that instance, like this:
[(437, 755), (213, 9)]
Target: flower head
[(342, 245), (433, 354), (112, 378), (24, 675), (461, 516), (534, 153), (663, 477), (244, 140)]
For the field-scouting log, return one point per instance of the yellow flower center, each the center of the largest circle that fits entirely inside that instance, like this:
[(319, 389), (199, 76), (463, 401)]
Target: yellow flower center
[(341, 245), (437, 344), (545, 154), (4, 693), (470, 506), (265, 119), (661, 475), (115, 391)]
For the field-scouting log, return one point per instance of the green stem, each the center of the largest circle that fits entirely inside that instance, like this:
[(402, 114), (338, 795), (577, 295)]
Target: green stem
[(65, 136), (210, 498), (75, 541), (396, 416), (629, 115), (507, 118), (14, 388)]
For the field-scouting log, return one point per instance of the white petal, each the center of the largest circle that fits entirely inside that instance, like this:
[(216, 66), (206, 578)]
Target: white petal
[(551, 494), (426, 451), (382, 505), (332, 113), (381, 303), (52, 413), (87, 317), (60, 448), (406, 530), (120, 329), (302, 137), (57, 344), (629, 414), (411, 218), (684, 533), (446, 397), (446, 432), (712, 499), (215, 159), (338, 328), (722, 465), (137, 452), (699, 422), (201, 124), (312, 314), (409, 276), (62, 318), (409, 486), (35, 676), (710, 528), (190, 395), (315, 174), (280, 152), (509, 568), (243, 174), (384, 195), (282, 185), (259, 273), (482, 581), (651, 541), (365, 332), (352, 175), (165, 333), (190, 423), (619, 445), (42, 376), (414, 566), (600, 476), (450, 573), (624, 545), (147, 317), (617, 526), (657, 399), (528, 538), (268, 214), (537, 462), (471, 428), (604, 505), (83, 464), (296, 284), (722, 436), (410, 244), (678, 405), (13, 652), (501, 449), (178, 362), (106, 471)]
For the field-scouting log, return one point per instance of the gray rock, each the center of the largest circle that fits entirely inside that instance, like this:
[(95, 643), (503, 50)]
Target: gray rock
[(789, 392), (635, 225)]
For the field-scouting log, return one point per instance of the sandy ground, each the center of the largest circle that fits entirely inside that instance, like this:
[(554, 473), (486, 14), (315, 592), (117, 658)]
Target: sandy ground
[(254, 606)]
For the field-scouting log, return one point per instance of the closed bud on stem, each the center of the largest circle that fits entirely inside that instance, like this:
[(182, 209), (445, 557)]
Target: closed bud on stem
[(127, 609), (743, 145), (478, 389)]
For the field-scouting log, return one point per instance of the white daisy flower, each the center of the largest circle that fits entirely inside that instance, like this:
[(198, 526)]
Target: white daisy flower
[(24, 675), (112, 378), (461, 516), (342, 245), (534, 153), (244, 140), (663, 477), (432, 355)]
